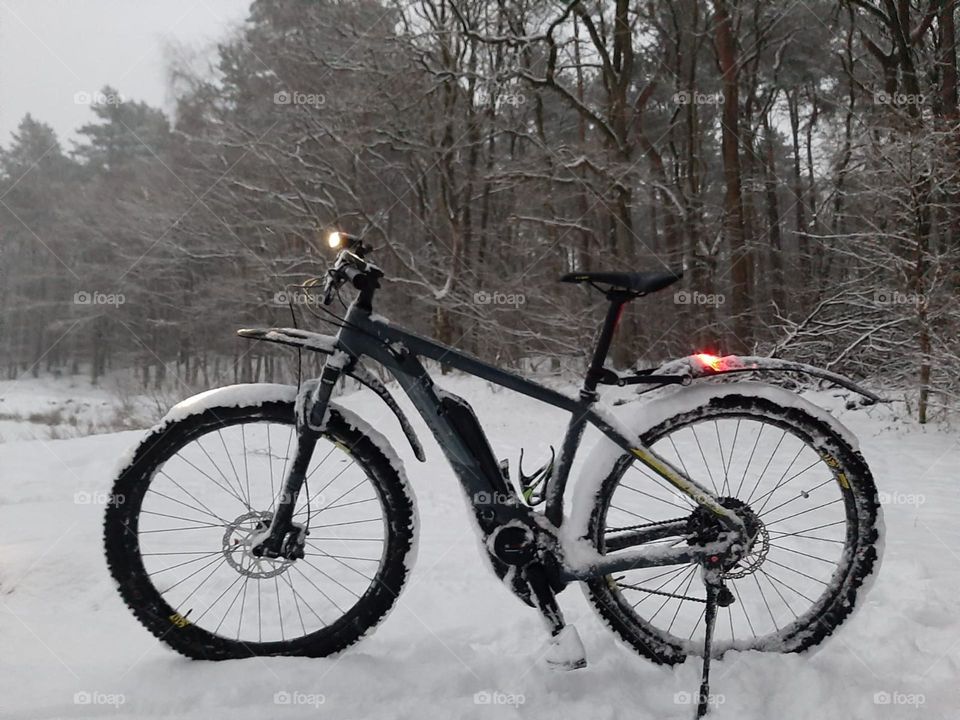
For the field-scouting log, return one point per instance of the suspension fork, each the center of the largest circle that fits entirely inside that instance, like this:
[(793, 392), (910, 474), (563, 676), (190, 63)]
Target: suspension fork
[(283, 537)]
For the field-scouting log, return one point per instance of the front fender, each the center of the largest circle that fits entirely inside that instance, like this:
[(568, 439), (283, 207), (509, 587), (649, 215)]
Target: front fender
[(704, 365), (327, 344)]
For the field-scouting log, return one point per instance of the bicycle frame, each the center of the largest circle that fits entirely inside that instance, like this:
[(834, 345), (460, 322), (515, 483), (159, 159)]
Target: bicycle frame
[(400, 351)]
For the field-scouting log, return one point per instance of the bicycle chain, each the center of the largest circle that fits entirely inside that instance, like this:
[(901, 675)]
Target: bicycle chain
[(641, 526)]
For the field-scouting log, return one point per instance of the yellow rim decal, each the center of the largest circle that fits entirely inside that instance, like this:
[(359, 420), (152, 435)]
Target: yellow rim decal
[(179, 620), (834, 464)]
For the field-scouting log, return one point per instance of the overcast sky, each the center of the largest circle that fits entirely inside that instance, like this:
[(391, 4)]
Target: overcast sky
[(51, 50)]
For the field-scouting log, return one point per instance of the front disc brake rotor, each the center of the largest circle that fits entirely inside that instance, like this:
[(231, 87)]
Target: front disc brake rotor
[(238, 542)]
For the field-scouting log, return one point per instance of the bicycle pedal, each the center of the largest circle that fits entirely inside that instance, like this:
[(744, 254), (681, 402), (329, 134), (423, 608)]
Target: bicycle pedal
[(566, 651)]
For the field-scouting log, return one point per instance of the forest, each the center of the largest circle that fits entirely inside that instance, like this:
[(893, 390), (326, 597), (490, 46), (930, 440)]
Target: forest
[(800, 160)]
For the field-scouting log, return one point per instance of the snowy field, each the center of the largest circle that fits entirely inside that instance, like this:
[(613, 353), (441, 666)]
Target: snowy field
[(458, 644)]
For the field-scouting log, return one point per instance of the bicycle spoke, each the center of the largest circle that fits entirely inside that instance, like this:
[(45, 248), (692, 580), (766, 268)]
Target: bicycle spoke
[(191, 507), (246, 468), (782, 598), (232, 603), (756, 442), (789, 587), (766, 467), (351, 522), (232, 467), (697, 623), (652, 497), (805, 494), (343, 505), (743, 609), (780, 481), (318, 589), (629, 586), (203, 582), (276, 585), (733, 448), (349, 567), (219, 597), (693, 428), (188, 493), (803, 512), (220, 472), (199, 523), (769, 611), (798, 572), (188, 562), (273, 492), (692, 574), (812, 557), (673, 575), (214, 481), (818, 527), (723, 462), (631, 513), (330, 577)]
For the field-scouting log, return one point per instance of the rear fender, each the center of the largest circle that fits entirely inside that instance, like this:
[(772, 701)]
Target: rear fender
[(703, 365)]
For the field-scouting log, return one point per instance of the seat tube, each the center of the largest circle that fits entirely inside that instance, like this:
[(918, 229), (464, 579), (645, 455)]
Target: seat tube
[(595, 370)]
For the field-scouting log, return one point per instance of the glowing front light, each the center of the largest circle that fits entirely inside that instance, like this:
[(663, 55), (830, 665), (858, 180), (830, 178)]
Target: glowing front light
[(334, 239), (711, 361)]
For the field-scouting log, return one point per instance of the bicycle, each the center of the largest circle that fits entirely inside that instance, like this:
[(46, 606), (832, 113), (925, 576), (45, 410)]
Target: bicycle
[(331, 562)]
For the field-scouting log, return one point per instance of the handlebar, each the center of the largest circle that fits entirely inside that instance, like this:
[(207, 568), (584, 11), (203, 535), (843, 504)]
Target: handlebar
[(351, 267)]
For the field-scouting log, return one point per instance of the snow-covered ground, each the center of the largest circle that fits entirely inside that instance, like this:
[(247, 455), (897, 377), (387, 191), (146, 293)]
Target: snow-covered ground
[(458, 645), (46, 408)]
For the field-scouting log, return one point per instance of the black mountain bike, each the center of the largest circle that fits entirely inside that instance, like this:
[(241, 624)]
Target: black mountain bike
[(266, 519)]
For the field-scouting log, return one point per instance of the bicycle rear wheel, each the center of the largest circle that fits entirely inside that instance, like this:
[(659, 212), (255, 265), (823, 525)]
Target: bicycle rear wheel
[(819, 519)]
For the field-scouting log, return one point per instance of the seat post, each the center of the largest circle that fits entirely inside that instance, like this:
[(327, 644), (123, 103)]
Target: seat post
[(618, 299)]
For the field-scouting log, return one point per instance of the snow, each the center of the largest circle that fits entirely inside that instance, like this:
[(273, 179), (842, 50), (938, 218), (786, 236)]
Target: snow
[(458, 644)]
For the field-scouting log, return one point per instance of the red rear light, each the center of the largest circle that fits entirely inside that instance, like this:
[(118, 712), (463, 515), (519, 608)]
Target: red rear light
[(714, 362)]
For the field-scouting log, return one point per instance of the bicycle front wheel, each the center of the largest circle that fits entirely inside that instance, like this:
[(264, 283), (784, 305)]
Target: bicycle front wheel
[(178, 537)]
